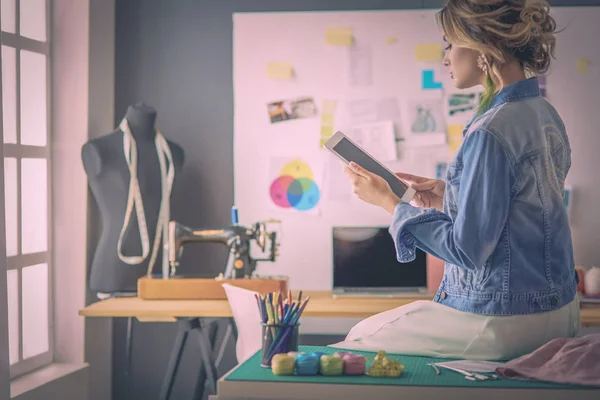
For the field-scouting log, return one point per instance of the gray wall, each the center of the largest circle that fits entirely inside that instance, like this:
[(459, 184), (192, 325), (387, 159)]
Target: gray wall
[(177, 57)]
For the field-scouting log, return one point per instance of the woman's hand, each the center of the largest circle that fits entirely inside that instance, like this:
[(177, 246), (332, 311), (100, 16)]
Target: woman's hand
[(371, 188), (430, 192)]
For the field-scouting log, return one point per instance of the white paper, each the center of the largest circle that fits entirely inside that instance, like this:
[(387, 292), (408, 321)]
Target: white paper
[(378, 139), (247, 319), (360, 66), (361, 111), (339, 187), (472, 366), (295, 184), (431, 162), (427, 125)]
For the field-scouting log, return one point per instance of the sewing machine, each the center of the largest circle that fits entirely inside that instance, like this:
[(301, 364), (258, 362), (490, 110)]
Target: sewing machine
[(239, 270), (237, 238)]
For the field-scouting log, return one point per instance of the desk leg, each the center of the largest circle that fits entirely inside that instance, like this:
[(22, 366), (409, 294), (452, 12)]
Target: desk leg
[(206, 337), (182, 334)]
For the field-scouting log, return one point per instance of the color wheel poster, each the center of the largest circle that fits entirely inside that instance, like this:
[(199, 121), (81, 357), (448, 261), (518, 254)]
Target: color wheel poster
[(295, 185)]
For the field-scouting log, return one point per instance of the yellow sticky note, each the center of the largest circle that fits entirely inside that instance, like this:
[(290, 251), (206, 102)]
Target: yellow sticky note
[(582, 65), (280, 70), (326, 131), (391, 40), (328, 107), (327, 119), (339, 37), (455, 131), (323, 141), (455, 137), (429, 52)]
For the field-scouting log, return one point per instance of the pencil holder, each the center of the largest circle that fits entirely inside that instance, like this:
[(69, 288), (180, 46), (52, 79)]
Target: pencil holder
[(277, 339)]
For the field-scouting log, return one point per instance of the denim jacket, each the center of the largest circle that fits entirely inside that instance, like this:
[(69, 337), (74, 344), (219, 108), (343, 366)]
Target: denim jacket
[(504, 234)]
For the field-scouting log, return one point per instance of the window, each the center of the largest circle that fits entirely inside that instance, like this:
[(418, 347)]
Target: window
[(25, 119)]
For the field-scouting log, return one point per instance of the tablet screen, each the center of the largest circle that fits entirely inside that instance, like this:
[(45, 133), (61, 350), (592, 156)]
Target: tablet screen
[(350, 152)]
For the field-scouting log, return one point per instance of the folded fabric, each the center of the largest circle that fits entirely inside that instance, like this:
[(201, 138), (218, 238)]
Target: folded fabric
[(565, 360)]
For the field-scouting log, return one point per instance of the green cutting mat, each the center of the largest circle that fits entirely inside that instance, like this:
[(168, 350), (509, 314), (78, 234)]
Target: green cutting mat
[(416, 373)]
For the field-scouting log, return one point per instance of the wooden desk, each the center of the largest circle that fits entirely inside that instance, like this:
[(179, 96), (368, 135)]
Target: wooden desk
[(321, 304)]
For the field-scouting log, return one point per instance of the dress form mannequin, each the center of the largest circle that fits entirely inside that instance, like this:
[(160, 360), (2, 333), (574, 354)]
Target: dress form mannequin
[(109, 179)]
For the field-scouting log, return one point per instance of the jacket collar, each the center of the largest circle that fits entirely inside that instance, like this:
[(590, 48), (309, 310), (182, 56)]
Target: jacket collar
[(515, 91)]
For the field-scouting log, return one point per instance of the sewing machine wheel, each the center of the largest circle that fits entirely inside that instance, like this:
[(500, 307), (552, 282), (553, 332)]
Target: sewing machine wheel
[(261, 236)]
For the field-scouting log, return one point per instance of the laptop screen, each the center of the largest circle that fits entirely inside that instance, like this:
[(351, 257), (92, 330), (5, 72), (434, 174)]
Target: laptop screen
[(365, 257)]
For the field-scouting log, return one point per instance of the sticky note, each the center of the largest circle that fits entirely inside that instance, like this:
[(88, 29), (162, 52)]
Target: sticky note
[(327, 119), (339, 37), (428, 81), (391, 40), (454, 136), (328, 107), (582, 65), (323, 141), (326, 131), (280, 70), (455, 131), (429, 52)]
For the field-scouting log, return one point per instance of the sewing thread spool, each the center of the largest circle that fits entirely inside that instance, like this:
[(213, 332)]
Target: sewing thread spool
[(331, 365), (282, 364), (354, 364), (307, 364)]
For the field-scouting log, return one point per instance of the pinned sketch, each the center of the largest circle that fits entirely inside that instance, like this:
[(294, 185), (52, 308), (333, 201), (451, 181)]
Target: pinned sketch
[(280, 70), (295, 185), (428, 80), (339, 37), (429, 52), (285, 110), (378, 139), (426, 116), (360, 64), (461, 103)]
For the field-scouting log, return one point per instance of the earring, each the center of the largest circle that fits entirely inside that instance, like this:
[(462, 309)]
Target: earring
[(482, 64)]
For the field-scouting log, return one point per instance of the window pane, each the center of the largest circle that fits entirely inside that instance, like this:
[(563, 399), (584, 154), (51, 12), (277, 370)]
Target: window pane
[(34, 206), (33, 98), (9, 93), (12, 279), (33, 19), (8, 16), (34, 294), (10, 206)]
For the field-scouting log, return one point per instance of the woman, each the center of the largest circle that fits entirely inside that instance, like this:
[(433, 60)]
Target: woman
[(498, 221)]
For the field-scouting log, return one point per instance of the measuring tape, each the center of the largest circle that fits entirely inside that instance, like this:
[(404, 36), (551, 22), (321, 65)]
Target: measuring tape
[(134, 199)]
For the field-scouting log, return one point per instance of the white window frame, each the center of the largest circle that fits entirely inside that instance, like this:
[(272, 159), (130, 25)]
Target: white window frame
[(19, 151)]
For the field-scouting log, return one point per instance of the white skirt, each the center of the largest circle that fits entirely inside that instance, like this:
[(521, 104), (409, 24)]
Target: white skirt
[(427, 328)]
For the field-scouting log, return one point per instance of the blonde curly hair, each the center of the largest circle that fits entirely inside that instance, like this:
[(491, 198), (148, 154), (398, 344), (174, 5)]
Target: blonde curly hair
[(501, 30)]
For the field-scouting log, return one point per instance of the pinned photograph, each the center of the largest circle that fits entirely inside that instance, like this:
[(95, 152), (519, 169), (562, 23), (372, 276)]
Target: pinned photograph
[(285, 110)]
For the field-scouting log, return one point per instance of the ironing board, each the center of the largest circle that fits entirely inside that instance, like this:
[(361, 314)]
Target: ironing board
[(251, 381)]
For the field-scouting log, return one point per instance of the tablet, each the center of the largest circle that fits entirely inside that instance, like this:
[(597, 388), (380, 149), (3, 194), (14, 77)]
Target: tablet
[(347, 150)]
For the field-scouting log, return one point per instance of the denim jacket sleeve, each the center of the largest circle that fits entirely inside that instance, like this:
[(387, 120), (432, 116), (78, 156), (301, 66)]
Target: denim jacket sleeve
[(484, 195)]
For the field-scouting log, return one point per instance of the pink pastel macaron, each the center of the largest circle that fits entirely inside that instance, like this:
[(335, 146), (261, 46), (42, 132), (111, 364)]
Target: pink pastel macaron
[(354, 364)]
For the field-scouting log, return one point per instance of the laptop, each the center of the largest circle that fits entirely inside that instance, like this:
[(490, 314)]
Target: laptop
[(365, 264)]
